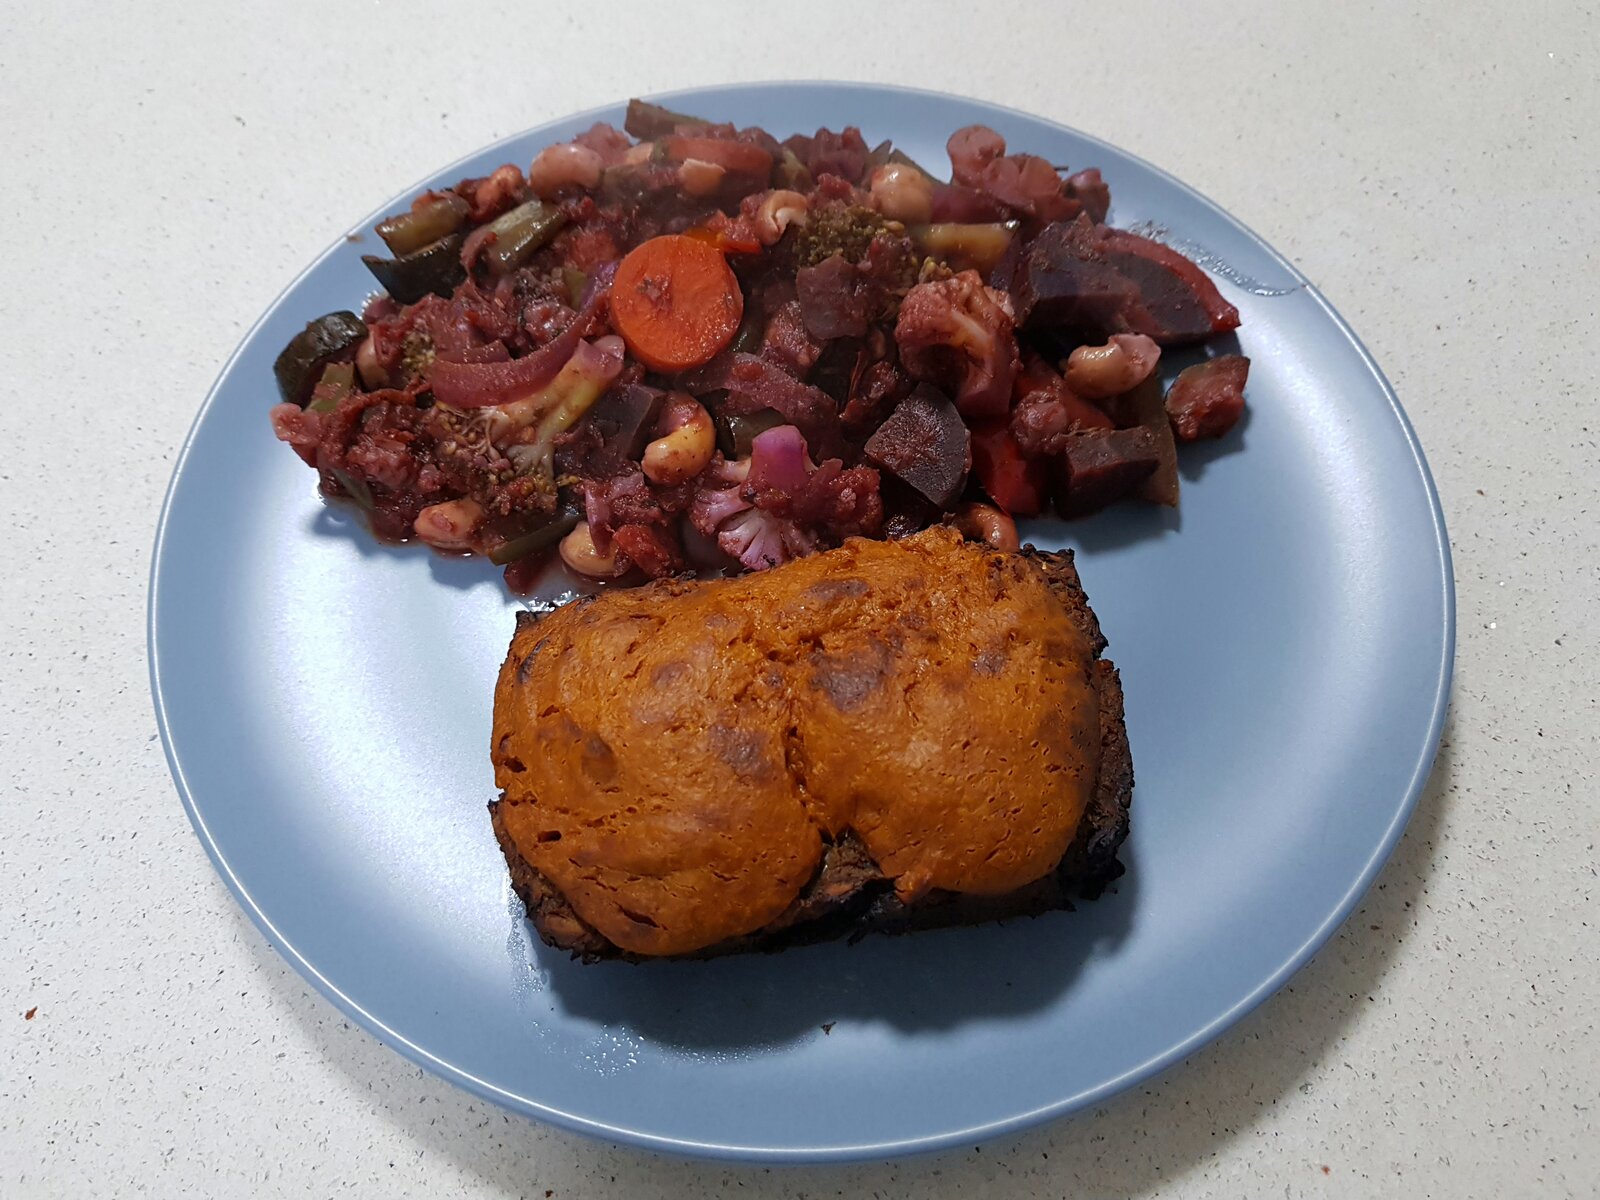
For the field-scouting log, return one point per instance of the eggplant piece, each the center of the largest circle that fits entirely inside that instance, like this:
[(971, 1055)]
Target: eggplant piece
[(576, 282), (337, 382), (926, 444), (332, 338), (736, 432), (752, 330), (885, 152), (431, 218), (1102, 466), (1143, 408), (790, 173), (646, 121), (435, 268), (623, 418), (508, 541), (356, 488), (518, 233)]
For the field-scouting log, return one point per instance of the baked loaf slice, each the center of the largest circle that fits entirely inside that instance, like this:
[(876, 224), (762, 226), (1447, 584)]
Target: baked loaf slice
[(888, 736)]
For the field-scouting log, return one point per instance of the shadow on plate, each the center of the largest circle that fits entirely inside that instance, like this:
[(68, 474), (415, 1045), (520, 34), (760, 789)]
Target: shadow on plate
[(1219, 1095), (342, 519), (932, 980)]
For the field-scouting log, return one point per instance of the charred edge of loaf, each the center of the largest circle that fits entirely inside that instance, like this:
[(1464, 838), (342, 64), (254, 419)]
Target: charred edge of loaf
[(849, 897)]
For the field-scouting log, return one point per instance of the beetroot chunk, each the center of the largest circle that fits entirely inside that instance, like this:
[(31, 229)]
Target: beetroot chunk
[(1142, 407), (925, 443), (1064, 280), (836, 299), (1103, 466), (1207, 399), (621, 422), (1180, 302), (1101, 280)]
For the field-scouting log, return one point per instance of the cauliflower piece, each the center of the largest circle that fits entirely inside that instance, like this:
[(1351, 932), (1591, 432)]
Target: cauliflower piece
[(959, 334)]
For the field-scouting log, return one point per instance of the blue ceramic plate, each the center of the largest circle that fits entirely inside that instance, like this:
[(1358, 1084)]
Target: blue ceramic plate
[(1285, 642)]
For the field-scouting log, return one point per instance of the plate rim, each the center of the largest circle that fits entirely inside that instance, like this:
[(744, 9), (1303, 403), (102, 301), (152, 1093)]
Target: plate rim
[(854, 1152)]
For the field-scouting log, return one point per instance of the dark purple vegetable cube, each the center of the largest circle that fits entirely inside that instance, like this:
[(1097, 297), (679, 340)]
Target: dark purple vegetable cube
[(1102, 466), (624, 419), (925, 443)]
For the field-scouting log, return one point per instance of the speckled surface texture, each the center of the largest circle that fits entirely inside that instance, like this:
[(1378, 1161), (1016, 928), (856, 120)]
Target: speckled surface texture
[(169, 168)]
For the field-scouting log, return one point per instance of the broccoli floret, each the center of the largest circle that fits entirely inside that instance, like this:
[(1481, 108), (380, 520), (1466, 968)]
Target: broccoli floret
[(846, 229)]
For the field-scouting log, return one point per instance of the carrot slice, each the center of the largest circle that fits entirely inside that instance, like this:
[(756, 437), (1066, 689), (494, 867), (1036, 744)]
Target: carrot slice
[(675, 302)]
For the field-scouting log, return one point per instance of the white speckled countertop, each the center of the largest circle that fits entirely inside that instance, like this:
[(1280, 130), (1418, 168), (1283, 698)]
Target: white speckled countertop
[(168, 168)]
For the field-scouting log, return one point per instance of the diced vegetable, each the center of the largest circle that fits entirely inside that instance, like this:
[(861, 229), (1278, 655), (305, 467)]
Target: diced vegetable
[(979, 247), (435, 268), (791, 174), (645, 120), (356, 489), (676, 303), (1143, 407), (482, 385), (925, 443), (433, 216), (338, 381), (575, 281), (506, 542), (1207, 399), (1103, 466), (623, 418), (737, 158), (331, 338), (518, 233), (737, 433), (1014, 482), (572, 393), (1178, 301), (1102, 280), (1062, 282)]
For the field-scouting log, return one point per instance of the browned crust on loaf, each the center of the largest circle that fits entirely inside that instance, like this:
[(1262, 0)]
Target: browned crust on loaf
[(849, 896)]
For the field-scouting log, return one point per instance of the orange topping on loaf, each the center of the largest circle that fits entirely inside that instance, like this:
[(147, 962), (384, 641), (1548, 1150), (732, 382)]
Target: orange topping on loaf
[(673, 756)]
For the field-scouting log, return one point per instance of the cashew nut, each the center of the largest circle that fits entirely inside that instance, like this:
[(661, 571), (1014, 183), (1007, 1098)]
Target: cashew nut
[(368, 367), (780, 209), (452, 525), (688, 440), (562, 166), (700, 178), (1123, 363), (987, 524), (902, 193), (578, 552)]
